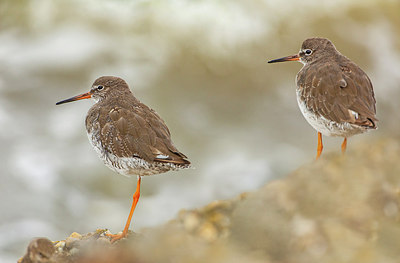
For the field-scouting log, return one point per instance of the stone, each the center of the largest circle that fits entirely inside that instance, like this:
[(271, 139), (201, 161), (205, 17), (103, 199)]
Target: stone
[(337, 209)]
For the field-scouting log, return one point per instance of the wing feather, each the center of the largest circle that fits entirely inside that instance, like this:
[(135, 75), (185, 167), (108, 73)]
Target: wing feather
[(336, 90), (137, 132)]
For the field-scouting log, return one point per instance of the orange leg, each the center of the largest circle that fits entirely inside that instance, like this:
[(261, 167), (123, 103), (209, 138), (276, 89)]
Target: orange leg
[(136, 196), (344, 145), (320, 146)]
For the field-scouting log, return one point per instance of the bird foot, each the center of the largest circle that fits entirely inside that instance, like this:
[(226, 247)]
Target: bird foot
[(118, 236)]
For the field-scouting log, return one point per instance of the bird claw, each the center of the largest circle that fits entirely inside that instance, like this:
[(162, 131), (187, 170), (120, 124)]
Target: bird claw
[(116, 237)]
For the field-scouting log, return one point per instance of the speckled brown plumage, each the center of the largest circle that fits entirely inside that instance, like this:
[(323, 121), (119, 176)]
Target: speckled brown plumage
[(127, 128), (128, 136), (331, 85), (335, 96)]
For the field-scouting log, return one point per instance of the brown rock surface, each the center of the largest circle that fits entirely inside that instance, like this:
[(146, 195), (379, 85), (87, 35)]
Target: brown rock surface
[(338, 209)]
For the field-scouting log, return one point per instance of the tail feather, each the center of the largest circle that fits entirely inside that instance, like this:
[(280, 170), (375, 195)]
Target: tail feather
[(177, 160), (369, 123)]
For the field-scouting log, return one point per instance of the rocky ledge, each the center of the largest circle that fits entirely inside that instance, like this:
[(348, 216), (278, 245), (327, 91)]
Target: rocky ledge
[(338, 209)]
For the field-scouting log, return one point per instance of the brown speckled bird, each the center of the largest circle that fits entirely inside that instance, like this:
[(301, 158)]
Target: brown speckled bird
[(334, 95), (128, 136)]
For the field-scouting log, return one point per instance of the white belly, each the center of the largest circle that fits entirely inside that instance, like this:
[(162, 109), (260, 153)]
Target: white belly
[(128, 166), (328, 127)]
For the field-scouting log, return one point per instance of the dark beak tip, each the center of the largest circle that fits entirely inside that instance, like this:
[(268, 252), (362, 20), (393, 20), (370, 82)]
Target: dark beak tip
[(274, 61), (62, 102), (83, 96), (284, 59)]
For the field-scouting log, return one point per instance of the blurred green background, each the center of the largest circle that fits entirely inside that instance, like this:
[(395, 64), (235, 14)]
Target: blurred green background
[(202, 66)]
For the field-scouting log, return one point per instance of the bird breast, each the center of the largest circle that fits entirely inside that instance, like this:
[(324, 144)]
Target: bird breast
[(325, 126)]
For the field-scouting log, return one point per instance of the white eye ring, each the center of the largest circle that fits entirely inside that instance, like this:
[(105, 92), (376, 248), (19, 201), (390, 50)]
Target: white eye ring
[(308, 52)]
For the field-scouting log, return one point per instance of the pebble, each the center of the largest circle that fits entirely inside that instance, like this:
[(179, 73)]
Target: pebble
[(70, 242), (103, 241), (60, 245), (191, 221), (208, 232), (76, 235)]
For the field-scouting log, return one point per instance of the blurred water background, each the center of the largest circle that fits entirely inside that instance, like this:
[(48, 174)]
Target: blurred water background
[(202, 66)]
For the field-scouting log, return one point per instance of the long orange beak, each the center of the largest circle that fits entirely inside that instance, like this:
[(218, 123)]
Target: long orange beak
[(288, 58), (83, 96)]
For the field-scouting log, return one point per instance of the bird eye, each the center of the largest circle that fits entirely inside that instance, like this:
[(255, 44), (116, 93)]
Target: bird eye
[(100, 87), (308, 51)]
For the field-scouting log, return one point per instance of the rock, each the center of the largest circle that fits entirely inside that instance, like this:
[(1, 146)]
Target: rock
[(336, 209), (332, 210), (40, 250), (59, 246)]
